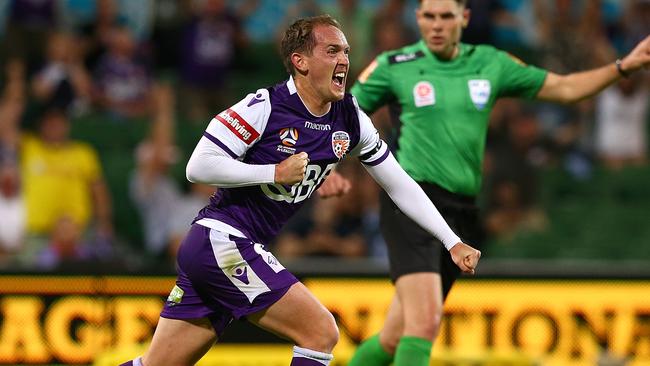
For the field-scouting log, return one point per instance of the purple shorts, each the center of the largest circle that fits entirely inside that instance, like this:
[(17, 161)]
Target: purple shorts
[(221, 277)]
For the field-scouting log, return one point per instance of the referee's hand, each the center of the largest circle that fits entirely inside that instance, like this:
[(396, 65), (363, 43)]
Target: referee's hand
[(465, 257)]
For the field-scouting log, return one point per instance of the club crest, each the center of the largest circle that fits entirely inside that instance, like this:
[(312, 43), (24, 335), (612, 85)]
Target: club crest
[(340, 143), (479, 91)]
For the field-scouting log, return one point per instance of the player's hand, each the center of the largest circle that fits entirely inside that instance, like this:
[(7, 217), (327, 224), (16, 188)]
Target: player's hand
[(335, 185), (465, 257), (639, 57), (292, 169)]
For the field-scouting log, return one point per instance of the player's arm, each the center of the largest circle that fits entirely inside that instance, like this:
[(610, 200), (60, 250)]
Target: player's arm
[(408, 195), (580, 85), (413, 202), (211, 165), (229, 135)]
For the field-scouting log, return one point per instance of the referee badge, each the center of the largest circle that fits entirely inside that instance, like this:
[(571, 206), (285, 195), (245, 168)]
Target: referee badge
[(479, 91), (424, 94)]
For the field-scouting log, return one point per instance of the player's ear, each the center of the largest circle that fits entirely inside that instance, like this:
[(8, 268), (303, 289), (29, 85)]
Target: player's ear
[(466, 14), (299, 62)]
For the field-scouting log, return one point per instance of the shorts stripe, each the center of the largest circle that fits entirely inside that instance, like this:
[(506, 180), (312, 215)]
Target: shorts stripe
[(220, 226), (235, 267)]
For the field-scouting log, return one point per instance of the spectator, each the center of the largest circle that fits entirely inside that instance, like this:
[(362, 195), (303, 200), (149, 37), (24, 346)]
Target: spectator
[(63, 80), (153, 190), (485, 13), (621, 118), (170, 15), (511, 169), (208, 48), (166, 212), (586, 47), (636, 23), (30, 22), (64, 246), (62, 178), (394, 14), (184, 213), (95, 33), (325, 231), (94, 21), (356, 21), (123, 79), (365, 205), (12, 209), (339, 227)]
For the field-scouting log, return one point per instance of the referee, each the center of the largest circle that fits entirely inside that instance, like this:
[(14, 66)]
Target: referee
[(443, 91)]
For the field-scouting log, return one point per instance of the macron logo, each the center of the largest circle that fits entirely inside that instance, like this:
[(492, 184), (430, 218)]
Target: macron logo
[(317, 126), (238, 126)]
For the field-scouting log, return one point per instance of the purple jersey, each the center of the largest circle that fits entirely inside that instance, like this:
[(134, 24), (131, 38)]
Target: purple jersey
[(208, 50), (266, 128), (122, 80)]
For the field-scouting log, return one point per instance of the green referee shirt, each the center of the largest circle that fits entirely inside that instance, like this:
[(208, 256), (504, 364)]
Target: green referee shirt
[(444, 107)]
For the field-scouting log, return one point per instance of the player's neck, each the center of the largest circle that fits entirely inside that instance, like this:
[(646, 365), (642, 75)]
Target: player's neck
[(310, 98), (448, 55)]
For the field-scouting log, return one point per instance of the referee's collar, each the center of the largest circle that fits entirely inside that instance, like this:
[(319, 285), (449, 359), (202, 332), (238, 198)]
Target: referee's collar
[(462, 49)]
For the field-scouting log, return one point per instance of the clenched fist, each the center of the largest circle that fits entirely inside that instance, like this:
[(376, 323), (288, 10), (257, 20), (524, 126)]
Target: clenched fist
[(465, 257), (292, 169)]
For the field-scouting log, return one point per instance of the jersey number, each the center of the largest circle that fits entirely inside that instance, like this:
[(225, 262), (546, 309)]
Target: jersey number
[(314, 175)]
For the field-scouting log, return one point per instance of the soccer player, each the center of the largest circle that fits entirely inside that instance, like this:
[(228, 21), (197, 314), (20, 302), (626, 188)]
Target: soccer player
[(269, 153), (444, 91)]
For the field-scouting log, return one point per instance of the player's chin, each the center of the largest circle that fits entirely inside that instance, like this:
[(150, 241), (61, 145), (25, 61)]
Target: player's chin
[(338, 91), (436, 47)]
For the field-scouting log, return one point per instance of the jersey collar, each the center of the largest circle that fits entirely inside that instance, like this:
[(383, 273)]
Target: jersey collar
[(453, 63)]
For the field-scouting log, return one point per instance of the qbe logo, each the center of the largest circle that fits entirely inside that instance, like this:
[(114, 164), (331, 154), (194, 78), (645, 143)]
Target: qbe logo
[(289, 136)]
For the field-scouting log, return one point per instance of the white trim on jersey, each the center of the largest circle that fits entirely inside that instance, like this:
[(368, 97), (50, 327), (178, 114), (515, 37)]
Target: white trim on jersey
[(368, 137), (291, 85), (241, 125), (235, 267), (411, 199)]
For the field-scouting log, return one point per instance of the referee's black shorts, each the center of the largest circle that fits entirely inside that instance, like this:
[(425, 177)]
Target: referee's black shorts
[(411, 249)]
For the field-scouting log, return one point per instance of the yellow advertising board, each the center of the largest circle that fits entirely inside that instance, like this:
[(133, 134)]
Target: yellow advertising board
[(552, 322), (77, 319)]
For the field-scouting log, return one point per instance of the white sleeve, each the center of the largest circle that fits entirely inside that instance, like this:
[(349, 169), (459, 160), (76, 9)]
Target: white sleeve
[(371, 150), (237, 128), (227, 138), (209, 164), (411, 199)]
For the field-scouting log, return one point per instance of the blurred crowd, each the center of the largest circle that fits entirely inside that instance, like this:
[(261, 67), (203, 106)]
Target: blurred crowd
[(168, 66)]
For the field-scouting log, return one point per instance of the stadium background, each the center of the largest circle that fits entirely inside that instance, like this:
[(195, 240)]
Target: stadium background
[(566, 268)]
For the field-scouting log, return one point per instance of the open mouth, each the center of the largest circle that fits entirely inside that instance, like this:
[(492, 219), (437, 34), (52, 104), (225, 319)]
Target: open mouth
[(339, 79)]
